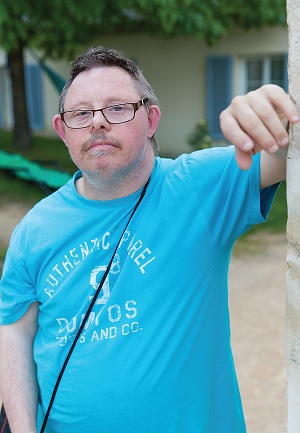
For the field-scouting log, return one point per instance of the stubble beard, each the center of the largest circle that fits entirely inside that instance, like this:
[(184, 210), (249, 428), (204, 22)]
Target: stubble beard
[(105, 177)]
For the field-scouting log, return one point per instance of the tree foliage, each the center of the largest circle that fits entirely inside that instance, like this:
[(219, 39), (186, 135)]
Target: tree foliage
[(58, 27), (210, 19)]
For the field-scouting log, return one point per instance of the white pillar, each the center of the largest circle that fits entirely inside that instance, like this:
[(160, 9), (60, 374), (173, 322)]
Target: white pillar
[(293, 228)]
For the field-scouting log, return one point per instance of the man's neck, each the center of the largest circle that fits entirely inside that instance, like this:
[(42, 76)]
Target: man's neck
[(95, 186)]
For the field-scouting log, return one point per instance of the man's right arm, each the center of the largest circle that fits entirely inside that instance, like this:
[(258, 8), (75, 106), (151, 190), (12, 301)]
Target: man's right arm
[(18, 381)]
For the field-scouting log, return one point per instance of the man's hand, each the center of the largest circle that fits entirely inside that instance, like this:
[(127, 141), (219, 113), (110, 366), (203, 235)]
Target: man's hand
[(258, 121)]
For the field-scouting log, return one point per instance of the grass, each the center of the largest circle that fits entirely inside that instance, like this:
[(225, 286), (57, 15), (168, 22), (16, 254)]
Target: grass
[(44, 149), (277, 216), (253, 240)]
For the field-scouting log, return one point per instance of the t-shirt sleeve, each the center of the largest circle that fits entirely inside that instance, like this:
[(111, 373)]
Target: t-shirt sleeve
[(17, 290), (230, 198)]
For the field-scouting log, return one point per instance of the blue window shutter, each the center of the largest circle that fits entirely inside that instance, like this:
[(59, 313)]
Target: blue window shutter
[(34, 97), (285, 72), (219, 91)]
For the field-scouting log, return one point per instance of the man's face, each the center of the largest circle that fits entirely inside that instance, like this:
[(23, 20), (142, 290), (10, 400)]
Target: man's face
[(106, 148)]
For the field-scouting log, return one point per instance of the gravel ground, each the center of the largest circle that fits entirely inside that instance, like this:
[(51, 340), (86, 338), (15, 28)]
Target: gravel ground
[(257, 302)]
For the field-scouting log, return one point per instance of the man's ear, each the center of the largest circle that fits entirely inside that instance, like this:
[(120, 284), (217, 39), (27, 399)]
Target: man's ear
[(153, 119), (59, 127)]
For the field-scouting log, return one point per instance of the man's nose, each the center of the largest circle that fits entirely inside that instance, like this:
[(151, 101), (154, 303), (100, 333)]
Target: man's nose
[(99, 121)]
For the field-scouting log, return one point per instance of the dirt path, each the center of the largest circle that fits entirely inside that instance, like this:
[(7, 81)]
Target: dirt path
[(257, 303)]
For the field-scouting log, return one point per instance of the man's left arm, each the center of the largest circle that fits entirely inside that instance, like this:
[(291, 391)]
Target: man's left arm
[(257, 122)]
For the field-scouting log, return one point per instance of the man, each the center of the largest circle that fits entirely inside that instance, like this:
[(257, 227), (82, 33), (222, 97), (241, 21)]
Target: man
[(154, 353)]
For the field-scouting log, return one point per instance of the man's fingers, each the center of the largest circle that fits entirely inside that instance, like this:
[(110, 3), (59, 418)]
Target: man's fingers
[(282, 103), (244, 146), (263, 117), (233, 132), (258, 119), (243, 159), (271, 117)]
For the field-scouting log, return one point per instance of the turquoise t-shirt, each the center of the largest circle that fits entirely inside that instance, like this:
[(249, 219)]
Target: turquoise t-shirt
[(155, 353)]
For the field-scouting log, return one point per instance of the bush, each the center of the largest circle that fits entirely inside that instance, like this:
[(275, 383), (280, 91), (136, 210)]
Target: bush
[(199, 138)]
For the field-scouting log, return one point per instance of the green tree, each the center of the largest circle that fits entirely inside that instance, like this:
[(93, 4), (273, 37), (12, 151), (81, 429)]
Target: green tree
[(58, 28), (207, 19)]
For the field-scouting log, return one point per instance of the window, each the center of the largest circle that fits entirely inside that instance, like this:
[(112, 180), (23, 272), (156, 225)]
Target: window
[(251, 73), (265, 70)]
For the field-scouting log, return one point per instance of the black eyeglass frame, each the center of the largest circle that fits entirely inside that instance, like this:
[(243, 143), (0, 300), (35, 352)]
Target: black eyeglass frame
[(136, 106)]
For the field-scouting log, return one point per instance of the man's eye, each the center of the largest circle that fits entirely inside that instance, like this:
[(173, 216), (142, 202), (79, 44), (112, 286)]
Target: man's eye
[(116, 109), (81, 114)]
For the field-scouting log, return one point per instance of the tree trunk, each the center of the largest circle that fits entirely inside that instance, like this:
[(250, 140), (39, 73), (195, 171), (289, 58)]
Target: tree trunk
[(22, 137), (293, 229)]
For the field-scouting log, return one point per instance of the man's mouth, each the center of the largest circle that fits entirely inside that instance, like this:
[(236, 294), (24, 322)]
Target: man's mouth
[(98, 144)]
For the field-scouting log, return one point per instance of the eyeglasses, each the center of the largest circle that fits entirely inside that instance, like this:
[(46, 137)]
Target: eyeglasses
[(121, 113)]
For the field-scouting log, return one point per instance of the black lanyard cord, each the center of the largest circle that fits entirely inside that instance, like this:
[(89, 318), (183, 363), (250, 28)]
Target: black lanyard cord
[(88, 313)]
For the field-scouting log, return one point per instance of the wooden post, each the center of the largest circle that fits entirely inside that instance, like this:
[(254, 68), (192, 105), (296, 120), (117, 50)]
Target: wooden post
[(293, 228)]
